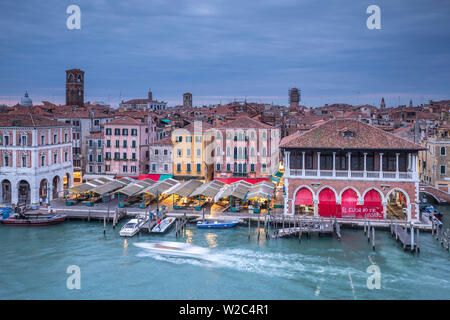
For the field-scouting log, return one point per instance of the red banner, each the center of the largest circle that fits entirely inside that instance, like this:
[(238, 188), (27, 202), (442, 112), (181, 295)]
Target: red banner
[(359, 211)]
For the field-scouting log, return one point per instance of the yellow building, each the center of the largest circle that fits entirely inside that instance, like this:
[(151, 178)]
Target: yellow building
[(193, 151)]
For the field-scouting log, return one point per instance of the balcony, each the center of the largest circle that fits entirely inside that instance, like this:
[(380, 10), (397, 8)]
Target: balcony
[(352, 175)]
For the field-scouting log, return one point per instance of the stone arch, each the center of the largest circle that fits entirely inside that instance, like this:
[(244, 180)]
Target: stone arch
[(332, 189), (402, 191), (56, 186), (328, 205), (351, 188), (6, 191), (24, 192), (394, 210), (383, 198), (68, 182), (43, 189), (295, 195)]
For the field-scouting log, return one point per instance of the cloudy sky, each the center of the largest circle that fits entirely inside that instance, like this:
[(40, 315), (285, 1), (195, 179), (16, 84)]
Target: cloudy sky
[(221, 50)]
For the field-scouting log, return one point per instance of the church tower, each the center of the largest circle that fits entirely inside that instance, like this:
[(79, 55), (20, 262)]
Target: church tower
[(383, 105), (75, 87)]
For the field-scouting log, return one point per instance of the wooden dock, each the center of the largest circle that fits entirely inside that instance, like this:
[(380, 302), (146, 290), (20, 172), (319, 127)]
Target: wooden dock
[(409, 241), (299, 227)]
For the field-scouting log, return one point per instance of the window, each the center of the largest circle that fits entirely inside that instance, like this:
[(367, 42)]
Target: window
[(199, 152), (252, 135), (117, 143), (252, 152), (133, 168), (55, 138), (264, 135), (90, 143), (124, 143), (99, 169), (23, 140), (24, 161), (124, 155), (153, 167), (156, 152), (108, 143), (133, 156), (443, 151), (228, 167), (42, 139), (91, 169), (228, 151), (134, 132), (108, 131), (117, 132), (55, 158), (6, 161), (264, 166), (124, 132), (165, 152), (116, 155), (199, 168), (189, 139), (218, 151), (42, 160), (188, 152), (66, 156), (218, 167), (166, 168), (198, 139), (252, 167), (178, 139), (442, 169), (264, 152), (107, 168), (99, 143), (179, 152), (99, 158), (218, 135), (178, 167), (90, 158), (133, 144), (188, 167), (108, 155), (65, 137), (125, 168)]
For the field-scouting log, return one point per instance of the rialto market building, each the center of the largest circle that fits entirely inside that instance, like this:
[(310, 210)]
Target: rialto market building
[(347, 168)]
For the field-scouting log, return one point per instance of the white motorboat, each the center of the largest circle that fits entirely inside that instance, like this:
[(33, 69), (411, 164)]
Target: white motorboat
[(164, 225), (178, 249), (132, 227)]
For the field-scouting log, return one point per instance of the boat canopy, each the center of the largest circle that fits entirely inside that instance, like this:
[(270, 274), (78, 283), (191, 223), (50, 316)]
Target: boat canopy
[(185, 189), (238, 189), (160, 187), (209, 189), (263, 189), (135, 187)]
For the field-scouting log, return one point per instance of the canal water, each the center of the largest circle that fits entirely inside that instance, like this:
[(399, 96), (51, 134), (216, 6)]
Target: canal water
[(34, 260)]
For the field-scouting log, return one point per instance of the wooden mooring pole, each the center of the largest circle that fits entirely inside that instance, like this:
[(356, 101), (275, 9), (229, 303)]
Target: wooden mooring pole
[(248, 228), (373, 238), (104, 225)]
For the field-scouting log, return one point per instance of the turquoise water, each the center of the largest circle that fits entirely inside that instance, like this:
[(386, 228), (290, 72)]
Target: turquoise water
[(34, 261)]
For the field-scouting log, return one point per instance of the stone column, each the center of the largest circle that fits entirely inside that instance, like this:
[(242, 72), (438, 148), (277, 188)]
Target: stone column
[(349, 164), (303, 163), (396, 166), (381, 165), (384, 203), (316, 208), (14, 191), (318, 164), (334, 164), (365, 164)]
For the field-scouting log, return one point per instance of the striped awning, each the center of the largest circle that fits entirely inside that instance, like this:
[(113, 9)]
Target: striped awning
[(160, 187), (135, 187), (263, 190), (238, 189), (186, 188), (209, 189)]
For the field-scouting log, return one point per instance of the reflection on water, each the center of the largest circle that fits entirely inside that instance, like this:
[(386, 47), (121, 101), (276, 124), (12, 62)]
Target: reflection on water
[(34, 262)]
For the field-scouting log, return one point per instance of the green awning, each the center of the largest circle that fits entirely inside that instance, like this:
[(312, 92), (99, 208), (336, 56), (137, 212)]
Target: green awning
[(164, 177)]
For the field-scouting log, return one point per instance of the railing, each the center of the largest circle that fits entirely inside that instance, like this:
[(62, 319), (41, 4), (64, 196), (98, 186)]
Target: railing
[(340, 174)]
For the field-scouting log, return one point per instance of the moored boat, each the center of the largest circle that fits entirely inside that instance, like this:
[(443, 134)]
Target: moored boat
[(36, 220), (132, 227), (164, 225), (218, 224)]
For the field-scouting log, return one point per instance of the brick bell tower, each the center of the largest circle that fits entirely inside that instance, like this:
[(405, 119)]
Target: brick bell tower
[(75, 87)]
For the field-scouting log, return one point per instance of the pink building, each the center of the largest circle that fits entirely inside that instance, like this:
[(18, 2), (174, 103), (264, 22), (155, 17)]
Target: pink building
[(126, 150), (246, 148)]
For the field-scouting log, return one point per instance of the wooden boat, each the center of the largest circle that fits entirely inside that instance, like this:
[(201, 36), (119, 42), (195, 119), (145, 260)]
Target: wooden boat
[(218, 224), (37, 220)]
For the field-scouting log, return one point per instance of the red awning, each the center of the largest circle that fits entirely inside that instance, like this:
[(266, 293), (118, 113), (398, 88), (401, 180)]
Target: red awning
[(250, 180), (372, 198), (304, 197), (154, 177), (349, 198)]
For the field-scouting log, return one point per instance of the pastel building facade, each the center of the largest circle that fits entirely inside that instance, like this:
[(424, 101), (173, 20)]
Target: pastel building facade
[(35, 159), (161, 157)]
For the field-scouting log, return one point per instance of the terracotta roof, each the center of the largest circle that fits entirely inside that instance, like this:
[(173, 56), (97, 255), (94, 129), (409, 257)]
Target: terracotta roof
[(244, 122), (165, 141), (190, 127), (126, 120), (330, 136), (96, 135), (28, 120)]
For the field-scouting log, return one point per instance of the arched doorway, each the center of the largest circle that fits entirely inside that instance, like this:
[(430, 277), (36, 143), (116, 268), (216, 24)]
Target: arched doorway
[(66, 181), (327, 203), (304, 202), (43, 190), (349, 201), (397, 205), (6, 191), (24, 192), (55, 187), (372, 198)]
